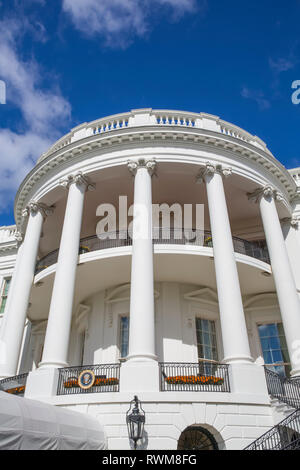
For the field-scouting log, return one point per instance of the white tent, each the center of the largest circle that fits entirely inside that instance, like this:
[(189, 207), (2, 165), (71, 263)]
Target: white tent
[(32, 425)]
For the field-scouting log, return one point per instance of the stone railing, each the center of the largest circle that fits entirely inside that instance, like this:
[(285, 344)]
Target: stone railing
[(152, 117), (7, 233)]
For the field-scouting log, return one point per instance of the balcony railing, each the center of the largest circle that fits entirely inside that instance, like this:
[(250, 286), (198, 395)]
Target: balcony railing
[(105, 378), (118, 239), (158, 118), (284, 389), (15, 385), (283, 436), (194, 377)]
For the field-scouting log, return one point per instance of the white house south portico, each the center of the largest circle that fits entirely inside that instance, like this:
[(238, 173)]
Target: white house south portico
[(201, 327)]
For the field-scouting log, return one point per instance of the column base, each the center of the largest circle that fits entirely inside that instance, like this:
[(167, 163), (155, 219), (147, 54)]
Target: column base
[(238, 360), (141, 357), (139, 376), (42, 384), (248, 379), (53, 365), (295, 374)]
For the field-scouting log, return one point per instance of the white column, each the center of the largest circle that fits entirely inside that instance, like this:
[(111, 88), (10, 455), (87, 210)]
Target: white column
[(142, 323), (283, 277), (233, 324), (60, 314), (21, 286)]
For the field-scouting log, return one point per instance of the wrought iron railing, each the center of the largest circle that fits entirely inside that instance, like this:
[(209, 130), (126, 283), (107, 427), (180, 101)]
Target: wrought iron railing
[(194, 377), (106, 378), (284, 436), (284, 389), (15, 385), (118, 239)]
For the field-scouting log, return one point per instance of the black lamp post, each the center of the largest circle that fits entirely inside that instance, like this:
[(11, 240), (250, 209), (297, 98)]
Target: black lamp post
[(135, 419)]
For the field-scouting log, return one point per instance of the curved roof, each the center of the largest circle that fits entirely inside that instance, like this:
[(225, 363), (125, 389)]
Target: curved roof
[(32, 425)]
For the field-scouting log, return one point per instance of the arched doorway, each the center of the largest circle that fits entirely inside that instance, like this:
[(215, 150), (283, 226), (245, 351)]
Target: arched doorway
[(197, 438)]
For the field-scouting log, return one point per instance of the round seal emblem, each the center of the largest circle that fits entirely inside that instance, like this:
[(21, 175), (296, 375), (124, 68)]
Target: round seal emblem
[(86, 379)]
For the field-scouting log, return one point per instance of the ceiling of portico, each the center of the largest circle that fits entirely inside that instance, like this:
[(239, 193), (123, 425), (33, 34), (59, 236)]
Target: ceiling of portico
[(173, 183)]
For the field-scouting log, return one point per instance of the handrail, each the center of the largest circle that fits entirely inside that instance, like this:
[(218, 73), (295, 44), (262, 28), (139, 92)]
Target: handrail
[(123, 238), (15, 385), (284, 389), (284, 436)]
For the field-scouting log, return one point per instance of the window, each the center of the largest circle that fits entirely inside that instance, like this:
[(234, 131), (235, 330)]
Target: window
[(4, 294), (274, 348), (124, 336), (206, 339)]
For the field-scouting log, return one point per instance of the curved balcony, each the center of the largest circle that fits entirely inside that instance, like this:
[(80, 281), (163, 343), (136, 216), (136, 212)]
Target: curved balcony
[(160, 237), (158, 118)]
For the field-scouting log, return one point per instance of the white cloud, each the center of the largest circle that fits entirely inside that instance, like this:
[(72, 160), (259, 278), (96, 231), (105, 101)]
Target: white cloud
[(257, 96), (43, 113), (282, 64), (118, 21)]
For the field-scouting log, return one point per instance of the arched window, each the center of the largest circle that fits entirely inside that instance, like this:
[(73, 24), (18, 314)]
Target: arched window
[(197, 438)]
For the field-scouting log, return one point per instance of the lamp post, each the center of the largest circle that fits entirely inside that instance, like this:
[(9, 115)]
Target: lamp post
[(135, 419)]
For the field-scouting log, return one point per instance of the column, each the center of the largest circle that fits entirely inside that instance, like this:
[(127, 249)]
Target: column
[(233, 324), (282, 272), (21, 286), (60, 314), (142, 323)]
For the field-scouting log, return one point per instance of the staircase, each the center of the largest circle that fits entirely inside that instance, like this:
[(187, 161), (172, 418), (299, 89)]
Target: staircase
[(284, 389), (285, 395)]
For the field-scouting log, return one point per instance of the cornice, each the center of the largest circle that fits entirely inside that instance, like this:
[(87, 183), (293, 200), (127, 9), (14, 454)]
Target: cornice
[(149, 135)]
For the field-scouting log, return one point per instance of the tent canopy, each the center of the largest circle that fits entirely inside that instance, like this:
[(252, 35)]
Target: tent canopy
[(32, 425)]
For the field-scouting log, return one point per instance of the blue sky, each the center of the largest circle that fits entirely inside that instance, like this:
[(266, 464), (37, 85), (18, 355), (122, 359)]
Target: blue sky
[(69, 61)]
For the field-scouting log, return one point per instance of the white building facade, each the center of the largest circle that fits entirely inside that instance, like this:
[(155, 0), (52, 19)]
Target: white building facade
[(186, 321)]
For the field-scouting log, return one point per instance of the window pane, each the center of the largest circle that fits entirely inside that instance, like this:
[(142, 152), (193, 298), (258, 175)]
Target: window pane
[(274, 342), (5, 288), (277, 356), (206, 339), (273, 346), (124, 336), (3, 303)]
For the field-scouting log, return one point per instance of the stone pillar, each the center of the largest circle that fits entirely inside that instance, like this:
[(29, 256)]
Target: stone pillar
[(16, 311), (60, 314), (140, 371), (283, 276), (233, 324), (142, 328)]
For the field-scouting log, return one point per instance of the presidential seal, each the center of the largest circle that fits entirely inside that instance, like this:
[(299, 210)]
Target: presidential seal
[(86, 379)]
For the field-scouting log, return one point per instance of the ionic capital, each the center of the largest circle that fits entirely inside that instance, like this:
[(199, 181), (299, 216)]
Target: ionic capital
[(18, 237), (209, 169), (33, 207), (134, 165), (268, 192), (292, 221), (78, 178), (295, 197)]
